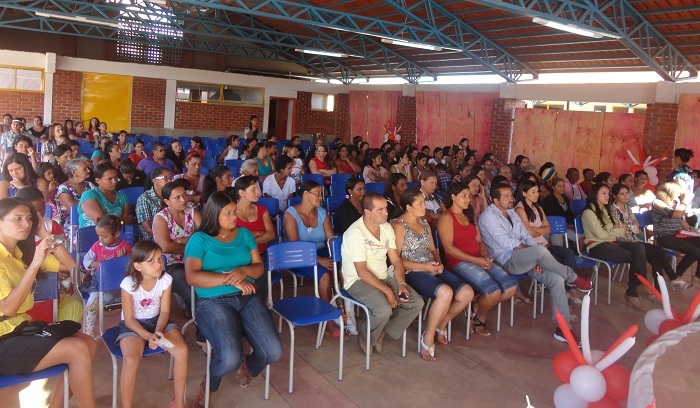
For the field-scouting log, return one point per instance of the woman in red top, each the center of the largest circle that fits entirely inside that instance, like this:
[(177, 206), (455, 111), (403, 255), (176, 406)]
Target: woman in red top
[(197, 147), (252, 216), (467, 257), (344, 163), (319, 165)]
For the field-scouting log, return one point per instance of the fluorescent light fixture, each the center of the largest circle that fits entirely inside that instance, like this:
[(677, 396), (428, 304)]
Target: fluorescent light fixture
[(322, 52), (571, 28), (79, 19), (411, 44)]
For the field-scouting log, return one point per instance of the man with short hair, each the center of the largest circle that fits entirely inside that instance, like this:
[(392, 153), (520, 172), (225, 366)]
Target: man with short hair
[(151, 201), (392, 304), (158, 160), (7, 139), (511, 246), (6, 122)]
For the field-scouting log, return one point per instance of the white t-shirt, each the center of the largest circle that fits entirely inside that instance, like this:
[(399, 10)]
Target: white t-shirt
[(296, 168), (231, 155), (146, 303), (359, 245), (271, 187)]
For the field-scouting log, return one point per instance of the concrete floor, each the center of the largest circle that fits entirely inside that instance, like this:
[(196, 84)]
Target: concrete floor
[(495, 371)]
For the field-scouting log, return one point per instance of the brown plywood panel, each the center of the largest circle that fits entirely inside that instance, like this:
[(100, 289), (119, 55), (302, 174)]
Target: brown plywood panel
[(621, 132), (533, 135), (483, 106), (430, 118), (577, 140), (688, 131), (370, 111), (459, 121)]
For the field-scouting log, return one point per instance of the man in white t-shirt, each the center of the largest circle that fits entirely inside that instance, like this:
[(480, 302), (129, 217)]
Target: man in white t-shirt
[(392, 304)]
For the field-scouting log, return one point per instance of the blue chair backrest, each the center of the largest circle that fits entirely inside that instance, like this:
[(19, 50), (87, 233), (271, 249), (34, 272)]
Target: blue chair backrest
[(557, 224), (185, 142), (374, 188), (211, 163), (133, 194), (333, 202), (315, 177), (235, 162), (578, 225), (335, 244), (48, 212), (111, 273), (235, 170), (305, 144), (272, 205), (338, 190), (577, 206), (414, 184), (644, 219), (293, 201), (340, 178), (291, 255), (46, 286), (165, 139), (86, 238), (436, 238), (74, 217)]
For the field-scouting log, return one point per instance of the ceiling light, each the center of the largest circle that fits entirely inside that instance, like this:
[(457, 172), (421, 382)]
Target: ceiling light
[(411, 44), (571, 28), (321, 52), (79, 19)]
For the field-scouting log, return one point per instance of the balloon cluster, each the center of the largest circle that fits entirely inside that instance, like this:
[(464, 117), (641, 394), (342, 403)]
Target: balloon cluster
[(660, 321), (590, 378), (392, 135), (649, 166)]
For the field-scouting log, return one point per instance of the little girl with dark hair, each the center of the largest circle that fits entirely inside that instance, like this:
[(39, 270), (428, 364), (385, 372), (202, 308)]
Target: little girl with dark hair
[(108, 246), (146, 319)]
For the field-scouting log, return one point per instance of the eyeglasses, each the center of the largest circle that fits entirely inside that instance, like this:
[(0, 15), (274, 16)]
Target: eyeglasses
[(166, 178)]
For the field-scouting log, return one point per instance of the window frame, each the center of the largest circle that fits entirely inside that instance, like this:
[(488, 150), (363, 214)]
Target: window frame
[(18, 67), (220, 101), (325, 102)]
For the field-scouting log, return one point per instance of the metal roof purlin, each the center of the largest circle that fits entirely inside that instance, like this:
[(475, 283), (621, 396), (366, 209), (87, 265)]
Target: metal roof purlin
[(323, 65), (482, 49), (617, 17)]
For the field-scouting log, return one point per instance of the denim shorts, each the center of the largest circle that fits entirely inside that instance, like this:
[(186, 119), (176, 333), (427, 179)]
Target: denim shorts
[(427, 285), (484, 281), (148, 324)]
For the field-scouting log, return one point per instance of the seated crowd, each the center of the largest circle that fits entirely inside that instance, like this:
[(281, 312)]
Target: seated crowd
[(442, 226)]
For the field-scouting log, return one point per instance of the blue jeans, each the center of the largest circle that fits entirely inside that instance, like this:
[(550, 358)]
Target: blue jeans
[(224, 321), (484, 281)]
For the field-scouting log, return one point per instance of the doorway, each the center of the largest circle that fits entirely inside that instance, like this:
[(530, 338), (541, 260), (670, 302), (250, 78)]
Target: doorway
[(281, 119)]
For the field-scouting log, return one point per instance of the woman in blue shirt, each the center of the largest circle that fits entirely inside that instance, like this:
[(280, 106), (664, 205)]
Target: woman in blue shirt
[(222, 262), (105, 199), (308, 221)]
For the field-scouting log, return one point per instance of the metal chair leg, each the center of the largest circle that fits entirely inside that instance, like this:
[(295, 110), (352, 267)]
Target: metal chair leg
[(498, 321)]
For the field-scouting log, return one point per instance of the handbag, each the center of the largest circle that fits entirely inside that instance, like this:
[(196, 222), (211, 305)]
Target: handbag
[(58, 330)]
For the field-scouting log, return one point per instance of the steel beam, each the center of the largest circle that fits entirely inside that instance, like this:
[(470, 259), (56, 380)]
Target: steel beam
[(463, 39), (616, 17), (193, 28)]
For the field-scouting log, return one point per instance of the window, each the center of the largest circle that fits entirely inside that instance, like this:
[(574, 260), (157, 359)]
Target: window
[(322, 102), (21, 79), (212, 93)]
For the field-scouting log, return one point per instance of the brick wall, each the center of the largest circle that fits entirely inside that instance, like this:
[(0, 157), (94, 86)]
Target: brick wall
[(206, 116), (148, 102), (406, 118), (330, 123), (67, 87), (502, 115), (660, 133), (22, 104)]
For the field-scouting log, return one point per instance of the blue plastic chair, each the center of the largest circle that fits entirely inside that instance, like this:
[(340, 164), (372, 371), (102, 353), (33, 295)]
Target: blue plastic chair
[(578, 228), (293, 201), (110, 274), (305, 144), (333, 202), (165, 139), (315, 177), (304, 310), (338, 190), (334, 247), (209, 162), (273, 208), (340, 178), (414, 184), (133, 194), (46, 289), (374, 188), (234, 162), (577, 206)]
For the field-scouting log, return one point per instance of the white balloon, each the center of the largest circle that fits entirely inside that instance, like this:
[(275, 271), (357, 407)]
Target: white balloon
[(653, 319), (564, 397), (615, 354), (597, 355), (654, 180), (588, 383), (651, 171)]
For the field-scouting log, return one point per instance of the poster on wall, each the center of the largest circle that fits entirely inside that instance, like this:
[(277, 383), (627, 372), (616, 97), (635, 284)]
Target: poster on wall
[(108, 98)]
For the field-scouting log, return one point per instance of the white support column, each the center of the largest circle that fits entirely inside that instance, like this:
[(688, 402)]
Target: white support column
[(170, 96), (49, 70)]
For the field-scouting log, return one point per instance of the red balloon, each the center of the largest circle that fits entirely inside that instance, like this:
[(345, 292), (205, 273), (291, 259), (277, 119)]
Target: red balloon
[(652, 339), (680, 316), (563, 364), (606, 402), (635, 168), (669, 324), (617, 379)]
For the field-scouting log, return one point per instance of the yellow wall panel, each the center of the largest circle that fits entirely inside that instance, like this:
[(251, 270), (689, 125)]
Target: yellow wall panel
[(107, 97)]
